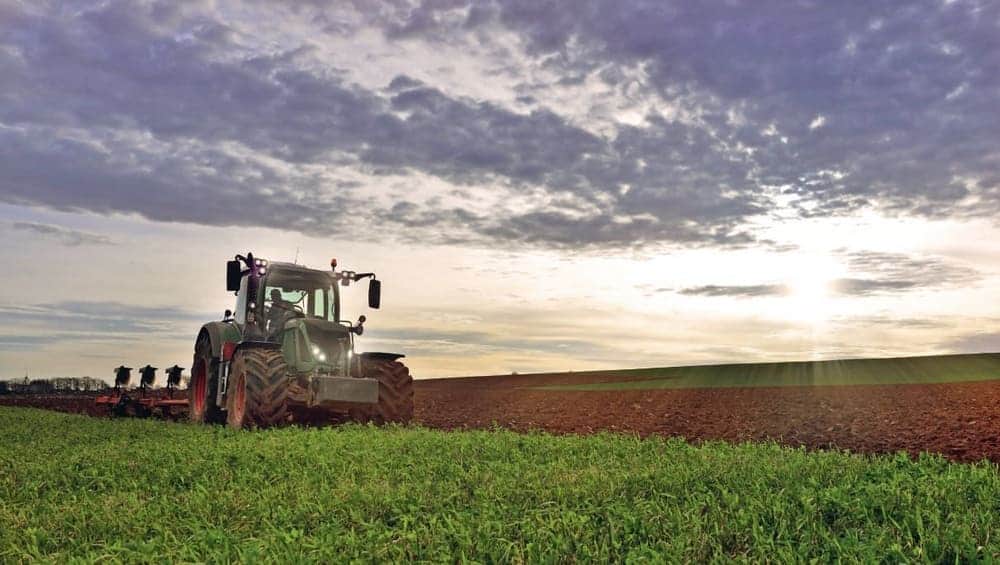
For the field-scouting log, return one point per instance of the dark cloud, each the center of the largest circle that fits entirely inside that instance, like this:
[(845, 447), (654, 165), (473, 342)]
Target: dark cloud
[(85, 320), (844, 106), (736, 290), (22, 342), (896, 272), (428, 342), (403, 82), (110, 109), (894, 322), (858, 287), (166, 110), (34, 333), (66, 236), (875, 273), (980, 342)]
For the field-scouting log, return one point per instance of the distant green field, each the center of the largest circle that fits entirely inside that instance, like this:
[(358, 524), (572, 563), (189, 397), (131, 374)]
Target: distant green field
[(900, 370), (74, 488)]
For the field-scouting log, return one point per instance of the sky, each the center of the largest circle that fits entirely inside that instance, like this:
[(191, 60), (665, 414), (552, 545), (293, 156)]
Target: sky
[(540, 186)]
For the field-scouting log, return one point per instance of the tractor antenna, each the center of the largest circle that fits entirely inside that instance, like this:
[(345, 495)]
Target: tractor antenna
[(296, 261)]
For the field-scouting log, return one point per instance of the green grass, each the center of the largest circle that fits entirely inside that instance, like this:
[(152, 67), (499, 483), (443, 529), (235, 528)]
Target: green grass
[(75, 488), (900, 370)]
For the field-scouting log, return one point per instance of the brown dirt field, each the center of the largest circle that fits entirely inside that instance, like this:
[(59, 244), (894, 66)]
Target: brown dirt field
[(959, 420), (77, 403)]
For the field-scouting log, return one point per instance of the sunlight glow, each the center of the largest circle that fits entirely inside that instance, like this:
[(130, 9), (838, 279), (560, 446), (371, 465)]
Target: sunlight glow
[(811, 296)]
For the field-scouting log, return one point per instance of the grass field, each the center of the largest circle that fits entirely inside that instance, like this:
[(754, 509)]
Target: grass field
[(73, 487), (900, 370)]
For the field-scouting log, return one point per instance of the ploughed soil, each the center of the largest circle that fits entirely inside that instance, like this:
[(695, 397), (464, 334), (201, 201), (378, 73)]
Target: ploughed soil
[(78, 403), (959, 420)]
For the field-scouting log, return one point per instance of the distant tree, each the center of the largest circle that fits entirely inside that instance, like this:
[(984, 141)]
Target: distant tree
[(18, 386), (88, 384), (4, 387), (41, 386)]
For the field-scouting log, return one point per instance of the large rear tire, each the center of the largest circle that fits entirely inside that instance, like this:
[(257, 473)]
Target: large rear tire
[(257, 396), (395, 393), (204, 382)]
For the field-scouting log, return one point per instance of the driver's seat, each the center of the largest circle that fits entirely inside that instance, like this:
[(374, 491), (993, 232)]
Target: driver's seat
[(279, 312)]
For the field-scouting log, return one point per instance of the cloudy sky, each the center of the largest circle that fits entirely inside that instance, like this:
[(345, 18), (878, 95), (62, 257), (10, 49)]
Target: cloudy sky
[(540, 185)]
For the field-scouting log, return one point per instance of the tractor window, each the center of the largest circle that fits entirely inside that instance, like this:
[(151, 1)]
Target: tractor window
[(286, 297), (317, 306), (309, 293)]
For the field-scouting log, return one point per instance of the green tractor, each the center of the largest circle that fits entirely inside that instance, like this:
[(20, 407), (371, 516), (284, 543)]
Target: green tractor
[(285, 355)]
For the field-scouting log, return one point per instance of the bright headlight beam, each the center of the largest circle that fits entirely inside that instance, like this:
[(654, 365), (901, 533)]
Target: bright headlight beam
[(318, 354)]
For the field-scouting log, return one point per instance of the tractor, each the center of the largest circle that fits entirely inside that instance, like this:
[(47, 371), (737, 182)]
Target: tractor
[(284, 354)]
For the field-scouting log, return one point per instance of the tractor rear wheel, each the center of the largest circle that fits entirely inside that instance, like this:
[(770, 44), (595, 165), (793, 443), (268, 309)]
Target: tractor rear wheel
[(258, 390), (395, 393), (204, 380)]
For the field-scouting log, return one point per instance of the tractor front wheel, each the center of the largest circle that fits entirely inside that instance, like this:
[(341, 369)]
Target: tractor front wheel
[(257, 393)]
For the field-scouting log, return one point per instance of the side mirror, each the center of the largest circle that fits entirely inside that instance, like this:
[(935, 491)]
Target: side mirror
[(374, 293), (233, 273)]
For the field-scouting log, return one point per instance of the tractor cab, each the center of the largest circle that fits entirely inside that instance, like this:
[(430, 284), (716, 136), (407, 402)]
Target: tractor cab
[(285, 293), (297, 309), (270, 295)]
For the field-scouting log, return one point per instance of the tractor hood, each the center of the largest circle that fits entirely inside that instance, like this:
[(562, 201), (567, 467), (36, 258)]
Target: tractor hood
[(313, 325), (316, 345)]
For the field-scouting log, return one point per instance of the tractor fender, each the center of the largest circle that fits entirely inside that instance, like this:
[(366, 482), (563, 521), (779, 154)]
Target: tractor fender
[(380, 356), (256, 345), (361, 361), (218, 334)]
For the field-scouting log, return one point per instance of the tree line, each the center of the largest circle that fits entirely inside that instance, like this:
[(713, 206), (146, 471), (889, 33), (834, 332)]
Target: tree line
[(54, 385)]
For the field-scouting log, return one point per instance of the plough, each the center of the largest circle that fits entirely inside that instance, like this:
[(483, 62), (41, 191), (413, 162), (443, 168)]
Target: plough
[(143, 402)]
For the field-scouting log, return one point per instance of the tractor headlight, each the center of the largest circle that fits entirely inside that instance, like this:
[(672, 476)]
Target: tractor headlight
[(318, 354)]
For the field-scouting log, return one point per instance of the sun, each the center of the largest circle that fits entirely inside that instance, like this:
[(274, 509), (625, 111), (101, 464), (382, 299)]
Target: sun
[(810, 288), (810, 293)]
